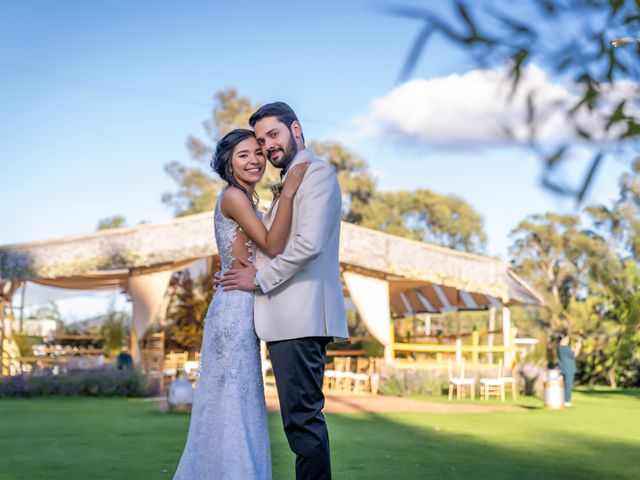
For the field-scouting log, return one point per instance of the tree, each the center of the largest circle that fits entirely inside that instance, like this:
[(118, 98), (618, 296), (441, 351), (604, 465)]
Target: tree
[(187, 308), (615, 349), (551, 252), (591, 281), (198, 187), (423, 215), (621, 221), (618, 274), (571, 38), (357, 184), (114, 221), (115, 329)]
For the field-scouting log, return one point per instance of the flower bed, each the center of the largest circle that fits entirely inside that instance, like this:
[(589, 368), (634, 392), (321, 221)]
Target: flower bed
[(97, 382)]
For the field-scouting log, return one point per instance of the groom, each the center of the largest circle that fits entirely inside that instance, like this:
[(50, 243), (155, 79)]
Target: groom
[(299, 306)]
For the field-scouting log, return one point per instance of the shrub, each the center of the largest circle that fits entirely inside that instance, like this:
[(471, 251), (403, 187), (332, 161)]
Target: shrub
[(532, 376), (97, 382), (412, 382), (416, 381)]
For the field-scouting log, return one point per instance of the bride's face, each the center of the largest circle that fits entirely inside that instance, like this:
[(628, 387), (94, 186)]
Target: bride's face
[(248, 162)]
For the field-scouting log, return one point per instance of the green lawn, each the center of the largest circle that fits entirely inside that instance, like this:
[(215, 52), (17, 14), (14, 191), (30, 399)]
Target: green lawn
[(71, 438)]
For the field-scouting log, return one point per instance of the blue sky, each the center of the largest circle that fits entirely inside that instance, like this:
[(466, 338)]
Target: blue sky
[(97, 96)]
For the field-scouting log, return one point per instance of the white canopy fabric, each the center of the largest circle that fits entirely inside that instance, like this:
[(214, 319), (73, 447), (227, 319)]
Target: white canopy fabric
[(147, 292), (370, 295)]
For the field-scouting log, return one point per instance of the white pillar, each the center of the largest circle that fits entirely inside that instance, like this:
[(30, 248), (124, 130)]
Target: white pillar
[(458, 351), (427, 325), (506, 335), (491, 336)]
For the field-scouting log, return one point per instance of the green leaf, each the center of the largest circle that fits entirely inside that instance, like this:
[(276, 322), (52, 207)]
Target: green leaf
[(617, 115), (633, 130)]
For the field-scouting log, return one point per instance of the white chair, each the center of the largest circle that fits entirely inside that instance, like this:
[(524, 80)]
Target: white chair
[(152, 365), (375, 366), (174, 363), (493, 385), (341, 376), (362, 375), (511, 381), (460, 382)]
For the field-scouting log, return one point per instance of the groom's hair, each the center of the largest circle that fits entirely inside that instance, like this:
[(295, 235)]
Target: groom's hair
[(283, 112)]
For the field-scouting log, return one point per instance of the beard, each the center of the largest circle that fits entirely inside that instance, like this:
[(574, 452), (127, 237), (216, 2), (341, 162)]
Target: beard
[(287, 154)]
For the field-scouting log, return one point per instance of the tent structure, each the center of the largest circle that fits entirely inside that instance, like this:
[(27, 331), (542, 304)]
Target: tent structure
[(384, 275)]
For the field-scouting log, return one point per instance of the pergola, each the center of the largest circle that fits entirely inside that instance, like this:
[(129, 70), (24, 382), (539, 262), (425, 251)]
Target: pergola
[(384, 275)]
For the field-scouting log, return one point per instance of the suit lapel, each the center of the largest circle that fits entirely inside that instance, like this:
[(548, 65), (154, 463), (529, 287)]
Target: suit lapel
[(270, 213)]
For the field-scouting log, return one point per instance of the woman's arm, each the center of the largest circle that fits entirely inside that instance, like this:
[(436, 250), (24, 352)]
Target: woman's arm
[(319, 211), (577, 347), (236, 205)]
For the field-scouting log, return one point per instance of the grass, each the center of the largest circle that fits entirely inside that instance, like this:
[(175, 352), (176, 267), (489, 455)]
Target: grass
[(79, 438), (521, 401)]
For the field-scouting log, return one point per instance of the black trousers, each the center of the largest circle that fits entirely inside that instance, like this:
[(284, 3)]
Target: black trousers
[(298, 366)]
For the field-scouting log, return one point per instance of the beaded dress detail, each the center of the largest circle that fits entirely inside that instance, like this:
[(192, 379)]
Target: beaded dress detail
[(228, 433)]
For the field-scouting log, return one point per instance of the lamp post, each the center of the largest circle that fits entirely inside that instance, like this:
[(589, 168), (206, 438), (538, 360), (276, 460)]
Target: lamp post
[(621, 42)]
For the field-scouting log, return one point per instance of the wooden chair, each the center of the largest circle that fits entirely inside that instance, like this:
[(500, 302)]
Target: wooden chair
[(367, 375), (493, 385), (174, 363), (510, 380), (362, 374), (340, 377), (460, 382), (375, 367), (152, 361), (153, 341), (330, 377)]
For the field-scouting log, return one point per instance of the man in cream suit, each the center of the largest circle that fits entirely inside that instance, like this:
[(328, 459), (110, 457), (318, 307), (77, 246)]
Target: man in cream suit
[(299, 306)]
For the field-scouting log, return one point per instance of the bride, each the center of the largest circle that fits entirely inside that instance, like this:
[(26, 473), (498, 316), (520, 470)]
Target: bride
[(228, 434)]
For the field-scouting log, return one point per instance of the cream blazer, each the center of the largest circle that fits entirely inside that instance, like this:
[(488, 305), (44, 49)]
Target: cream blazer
[(302, 287)]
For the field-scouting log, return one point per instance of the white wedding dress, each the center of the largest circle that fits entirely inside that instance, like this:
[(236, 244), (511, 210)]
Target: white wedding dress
[(228, 433)]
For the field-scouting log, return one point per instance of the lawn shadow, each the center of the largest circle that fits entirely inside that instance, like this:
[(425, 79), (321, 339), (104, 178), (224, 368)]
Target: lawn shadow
[(531, 444), (621, 392), (373, 446)]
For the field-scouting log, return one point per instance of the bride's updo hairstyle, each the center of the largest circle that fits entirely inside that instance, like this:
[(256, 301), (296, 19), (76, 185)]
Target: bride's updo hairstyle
[(221, 161)]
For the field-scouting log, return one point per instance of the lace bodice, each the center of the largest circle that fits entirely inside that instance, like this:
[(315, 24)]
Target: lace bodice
[(226, 232)]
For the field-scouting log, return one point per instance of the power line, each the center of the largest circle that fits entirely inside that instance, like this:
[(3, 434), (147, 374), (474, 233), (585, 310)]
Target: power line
[(114, 88), (133, 91)]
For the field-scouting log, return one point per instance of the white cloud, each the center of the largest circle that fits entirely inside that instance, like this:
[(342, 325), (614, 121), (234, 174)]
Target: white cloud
[(473, 109)]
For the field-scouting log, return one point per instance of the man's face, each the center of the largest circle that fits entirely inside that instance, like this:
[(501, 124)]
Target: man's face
[(276, 141)]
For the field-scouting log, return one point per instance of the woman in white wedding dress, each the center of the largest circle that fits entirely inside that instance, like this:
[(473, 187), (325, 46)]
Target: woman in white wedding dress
[(228, 434)]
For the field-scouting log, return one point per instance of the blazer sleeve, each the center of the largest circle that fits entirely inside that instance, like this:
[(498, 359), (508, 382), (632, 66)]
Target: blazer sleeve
[(319, 207)]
